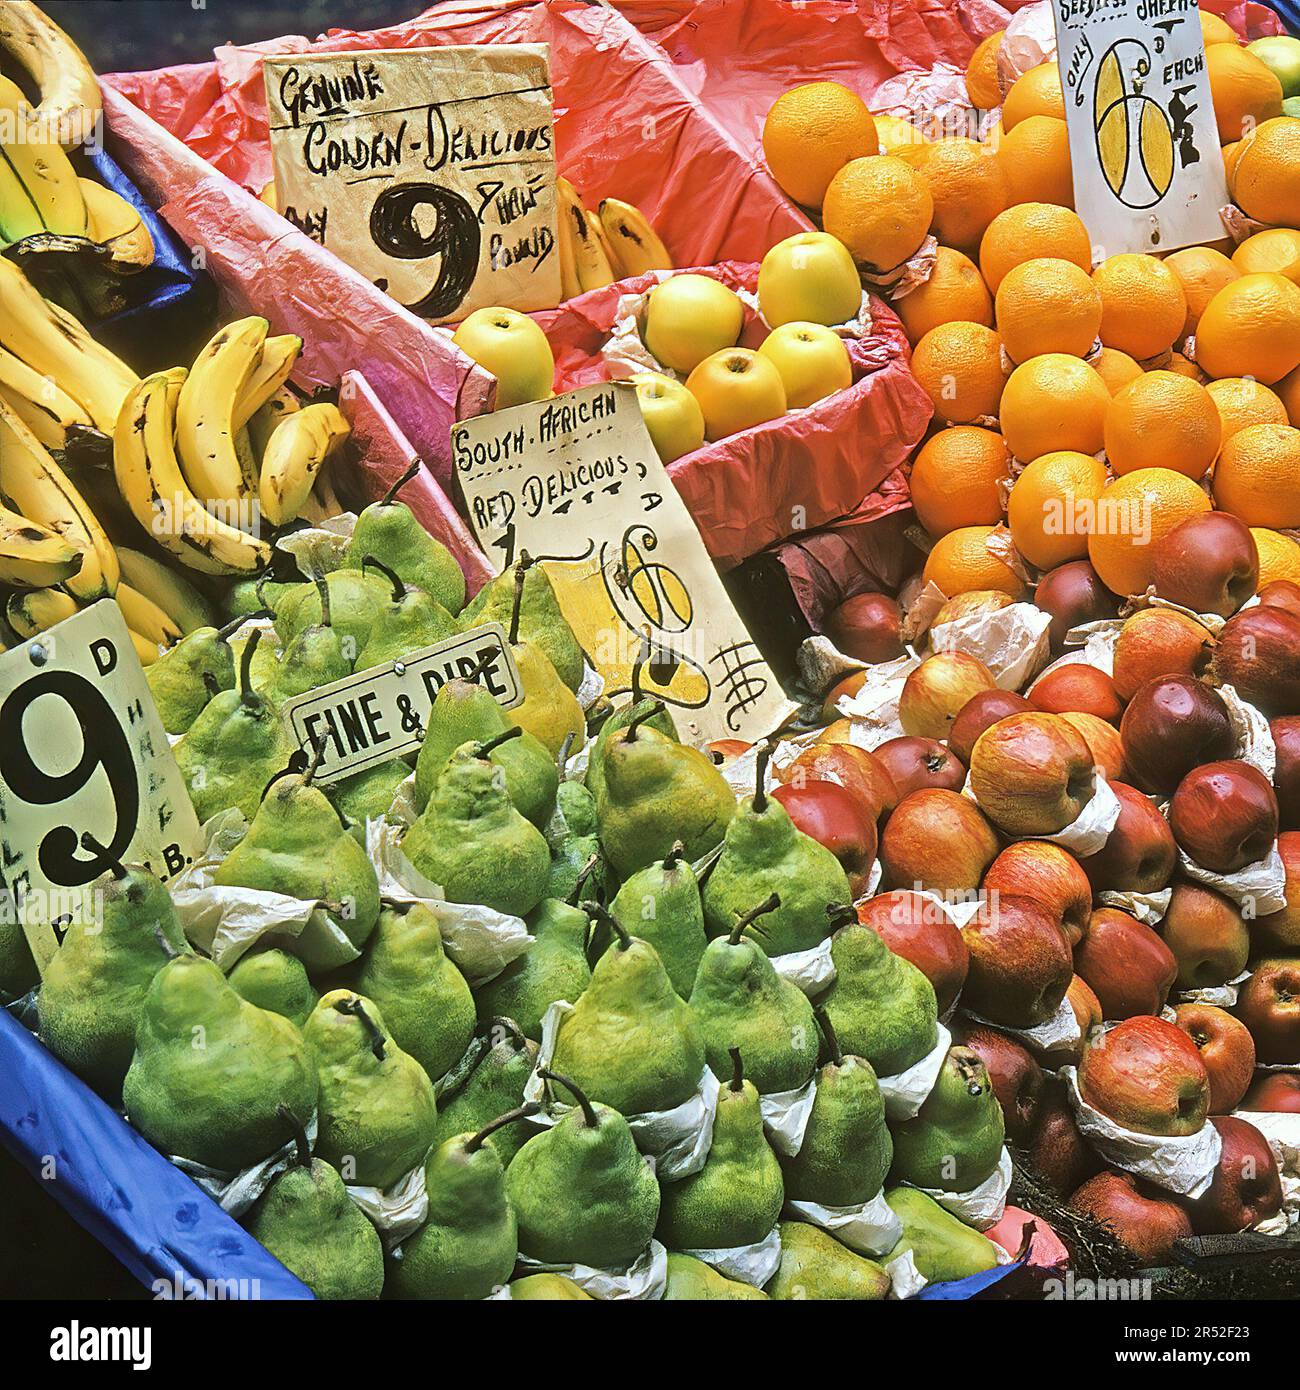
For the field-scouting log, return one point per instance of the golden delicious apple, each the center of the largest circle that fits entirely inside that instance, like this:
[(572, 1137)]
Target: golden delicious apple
[(671, 414), (736, 388), (812, 360), (514, 349), (809, 277), (689, 317)]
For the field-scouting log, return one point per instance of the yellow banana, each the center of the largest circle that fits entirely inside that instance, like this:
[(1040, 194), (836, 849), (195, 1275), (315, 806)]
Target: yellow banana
[(153, 486), (112, 222), (37, 179), (568, 209), (70, 103), (43, 405), (634, 242), (32, 556), (40, 490), (147, 651), (183, 604), (262, 426), (279, 356), (37, 611), (145, 617), (300, 444), (205, 413)]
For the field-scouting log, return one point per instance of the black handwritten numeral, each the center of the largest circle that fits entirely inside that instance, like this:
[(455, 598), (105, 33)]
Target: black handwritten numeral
[(455, 238), (104, 745)]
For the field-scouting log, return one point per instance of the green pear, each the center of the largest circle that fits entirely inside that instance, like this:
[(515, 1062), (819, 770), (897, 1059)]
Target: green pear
[(740, 1000), (582, 1193), (658, 718), (736, 1198), (574, 843), (882, 1007), (472, 842), (816, 1267), (309, 1223), (95, 987), (246, 597), (955, 1140), (388, 530), (234, 747), (630, 1041), (764, 852), (316, 656), (846, 1149), (547, 1288), (185, 677), (468, 1244), (661, 904), (407, 622), (655, 792), (425, 999), (541, 623), (377, 1108), (213, 1075), (943, 1247), (554, 967), (490, 1080), (368, 795), (691, 1280), (276, 981), (18, 973), (356, 600)]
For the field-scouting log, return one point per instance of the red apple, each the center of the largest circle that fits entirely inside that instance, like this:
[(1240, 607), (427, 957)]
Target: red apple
[(1246, 1188), (1142, 1218), (1104, 743), (1269, 1005), (1031, 774), (1020, 963), (1226, 1048), (1017, 1078), (1224, 816), (1139, 854), (1147, 1075), (1207, 934), (1157, 642), (938, 840), (1276, 1092), (855, 769), (915, 764), (727, 750), (1077, 688), (1207, 563), (1073, 594), (834, 817), (938, 688), (979, 713), (1057, 1152), (1282, 593), (1280, 931), (1286, 773), (1128, 966), (1038, 869), (1170, 726), (919, 929), (846, 685), (1086, 1008), (866, 628), (1259, 655)]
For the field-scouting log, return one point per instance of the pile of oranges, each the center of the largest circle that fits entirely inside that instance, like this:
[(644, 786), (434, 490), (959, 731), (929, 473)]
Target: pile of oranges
[(1084, 402)]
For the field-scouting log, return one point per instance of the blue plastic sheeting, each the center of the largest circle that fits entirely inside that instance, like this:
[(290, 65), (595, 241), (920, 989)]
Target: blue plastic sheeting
[(958, 1289), (1288, 11), (136, 1204)]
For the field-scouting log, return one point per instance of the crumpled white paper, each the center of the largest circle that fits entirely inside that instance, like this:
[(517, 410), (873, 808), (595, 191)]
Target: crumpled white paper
[(873, 710), (786, 1115), (905, 1279), (904, 1093), (397, 1212), (320, 548), (1089, 830), (1061, 1030), (1222, 996), (1254, 737), (645, 1279), (1148, 908), (751, 1264), (812, 970), (871, 1228), (1259, 887), (1282, 1130), (236, 1193), (984, 1204), (1011, 642)]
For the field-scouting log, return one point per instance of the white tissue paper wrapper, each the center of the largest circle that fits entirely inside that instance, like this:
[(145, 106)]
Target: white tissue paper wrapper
[(905, 1092), (904, 1277), (1254, 737), (1011, 642), (644, 1280), (591, 687), (871, 1228), (1092, 643), (1222, 996), (751, 1264), (1282, 1130), (235, 1193), (740, 773), (1061, 1030), (785, 1117), (1183, 1164), (812, 970), (982, 1206), (874, 709), (398, 1212), (1091, 829), (1259, 887), (1030, 39), (321, 547), (1148, 908)]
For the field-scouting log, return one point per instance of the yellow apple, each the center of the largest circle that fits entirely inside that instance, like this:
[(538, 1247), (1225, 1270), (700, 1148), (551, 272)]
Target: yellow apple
[(512, 347), (736, 388), (689, 317), (809, 277), (671, 414), (812, 360)]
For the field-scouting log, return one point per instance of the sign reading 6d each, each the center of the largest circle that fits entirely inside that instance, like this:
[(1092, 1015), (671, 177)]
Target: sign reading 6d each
[(430, 170), (87, 777), (1144, 145)]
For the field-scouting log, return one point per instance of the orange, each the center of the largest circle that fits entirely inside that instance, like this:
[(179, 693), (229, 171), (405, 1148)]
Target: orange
[(1216, 30), (1034, 93), (955, 290), (1288, 392), (811, 133), (1051, 506), (1244, 91), (1115, 368), (1047, 306), (960, 365), (961, 562), (1230, 153), (1184, 366), (982, 73), (955, 479), (1202, 273), (880, 208), (895, 134), (1030, 231), (1143, 307), (1054, 402), (1163, 420), (1132, 514), (1275, 251), (1035, 158), (1279, 556), (1241, 402), (1266, 173), (968, 188), (1257, 477), (1251, 328)]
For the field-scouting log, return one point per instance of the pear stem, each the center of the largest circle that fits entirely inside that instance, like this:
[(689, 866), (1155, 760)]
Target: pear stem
[(492, 744), (761, 760), (508, 1025), (521, 1112), (247, 695), (318, 752), (299, 1134), (588, 869), (486, 660), (607, 918), (399, 588), (324, 590), (711, 861), (89, 842), (211, 685), (737, 1069), (642, 656), (828, 1032), (841, 915), (224, 634), (769, 904), (521, 569), (357, 1009), (400, 483), (674, 856), (656, 707), (563, 756), (588, 1110)]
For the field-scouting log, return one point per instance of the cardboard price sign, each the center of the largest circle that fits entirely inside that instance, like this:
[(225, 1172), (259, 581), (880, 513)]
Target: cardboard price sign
[(380, 714), (1144, 146), (578, 478), (430, 170), (83, 752)]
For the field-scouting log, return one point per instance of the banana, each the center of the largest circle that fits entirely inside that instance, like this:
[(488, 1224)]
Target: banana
[(183, 604), (35, 612), (262, 426), (32, 556), (70, 101), (36, 177), (145, 617), (40, 490), (113, 223), (300, 444), (147, 651), (42, 405), (568, 209), (279, 356), (55, 345), (634, 242), (205, 413), (153, 486)]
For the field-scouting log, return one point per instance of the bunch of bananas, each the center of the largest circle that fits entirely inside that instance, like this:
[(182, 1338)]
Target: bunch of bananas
[(597, 248)]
